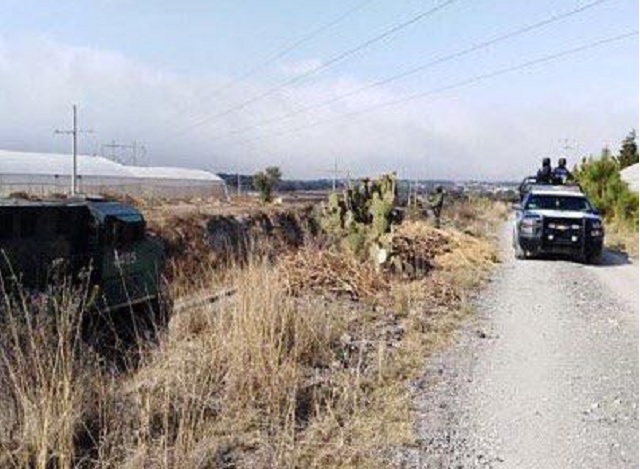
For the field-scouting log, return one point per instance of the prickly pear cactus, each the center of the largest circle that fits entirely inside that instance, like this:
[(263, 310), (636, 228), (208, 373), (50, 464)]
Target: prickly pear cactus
[(333, 214), (380, 211), (361, 217)]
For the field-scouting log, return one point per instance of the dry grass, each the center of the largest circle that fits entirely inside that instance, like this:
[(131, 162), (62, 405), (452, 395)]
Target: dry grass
[(621, 238), (330, 272), (45, 377), (261, 379), (475, 216)]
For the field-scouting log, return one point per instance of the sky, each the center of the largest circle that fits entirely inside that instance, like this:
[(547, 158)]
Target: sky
[(237, 85)]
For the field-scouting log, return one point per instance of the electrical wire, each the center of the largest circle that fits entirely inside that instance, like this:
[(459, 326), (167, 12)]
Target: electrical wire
[(455, 85), (420, 68), (288, 49), (334, 60)]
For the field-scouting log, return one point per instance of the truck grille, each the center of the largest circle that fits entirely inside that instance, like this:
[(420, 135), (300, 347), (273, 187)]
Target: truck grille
[(563, 232)]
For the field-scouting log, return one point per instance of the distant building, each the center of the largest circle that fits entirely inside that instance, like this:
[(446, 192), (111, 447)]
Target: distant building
[(45, 174)]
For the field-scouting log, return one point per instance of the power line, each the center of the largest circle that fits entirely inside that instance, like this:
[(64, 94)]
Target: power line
[(335, 59), (288, 49), (422, 67), (459, 84), (296, 44)]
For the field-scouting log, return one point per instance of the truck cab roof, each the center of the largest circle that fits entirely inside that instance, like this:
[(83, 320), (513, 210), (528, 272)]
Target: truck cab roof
[(104, 210)]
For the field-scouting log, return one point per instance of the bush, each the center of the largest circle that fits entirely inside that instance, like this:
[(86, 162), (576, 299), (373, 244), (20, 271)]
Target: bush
[(600, 180), (266, 181)]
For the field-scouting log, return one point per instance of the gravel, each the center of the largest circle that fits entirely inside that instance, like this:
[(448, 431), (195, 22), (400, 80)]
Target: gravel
[(545, 375)]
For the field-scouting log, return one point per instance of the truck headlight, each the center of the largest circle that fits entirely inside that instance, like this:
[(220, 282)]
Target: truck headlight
[(531, 222), (530, 225)]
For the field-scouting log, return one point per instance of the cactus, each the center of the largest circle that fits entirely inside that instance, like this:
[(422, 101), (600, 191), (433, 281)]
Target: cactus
[(380, 211), (361, 218)]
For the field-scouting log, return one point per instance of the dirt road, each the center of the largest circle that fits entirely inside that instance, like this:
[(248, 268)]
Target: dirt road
[(544, 376)]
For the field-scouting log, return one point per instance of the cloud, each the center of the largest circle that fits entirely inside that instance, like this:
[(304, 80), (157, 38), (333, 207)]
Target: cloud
[(124, 99)]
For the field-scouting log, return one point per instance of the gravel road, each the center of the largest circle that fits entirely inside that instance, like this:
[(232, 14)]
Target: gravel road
[(545, 375)]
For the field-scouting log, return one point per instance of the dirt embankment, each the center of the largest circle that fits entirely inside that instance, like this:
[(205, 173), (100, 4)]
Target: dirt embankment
[(196, 241)]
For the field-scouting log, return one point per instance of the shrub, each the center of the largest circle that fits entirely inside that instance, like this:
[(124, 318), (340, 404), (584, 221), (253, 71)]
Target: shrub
[(266, 181), (600, 180)]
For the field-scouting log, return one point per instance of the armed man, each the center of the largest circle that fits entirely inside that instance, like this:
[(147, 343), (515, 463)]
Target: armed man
[(545, 174), (436, 201), (561, 175)]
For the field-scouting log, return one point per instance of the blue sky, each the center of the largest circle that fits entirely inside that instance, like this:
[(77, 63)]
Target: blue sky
[(147, 70)]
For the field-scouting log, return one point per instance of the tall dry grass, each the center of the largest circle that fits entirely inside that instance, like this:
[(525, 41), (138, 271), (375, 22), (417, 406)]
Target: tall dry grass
[(45, 376), (258, 379), (261, 379)]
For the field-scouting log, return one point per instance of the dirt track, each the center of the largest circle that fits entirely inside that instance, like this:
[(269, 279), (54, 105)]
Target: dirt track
[(544, 376)]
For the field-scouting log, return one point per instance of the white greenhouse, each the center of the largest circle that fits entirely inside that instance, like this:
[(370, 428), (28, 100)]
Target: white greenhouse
[(50, 173)]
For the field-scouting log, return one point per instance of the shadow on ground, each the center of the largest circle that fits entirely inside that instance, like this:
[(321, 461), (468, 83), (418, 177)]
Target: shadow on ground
[(612, 257), (609, 258)]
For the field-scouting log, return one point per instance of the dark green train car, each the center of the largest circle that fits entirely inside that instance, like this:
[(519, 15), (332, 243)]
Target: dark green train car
[(106, 240)]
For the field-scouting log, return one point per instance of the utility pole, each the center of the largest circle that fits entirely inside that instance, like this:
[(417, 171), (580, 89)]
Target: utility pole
[(239, 184), (136, 148), (74, 133), (113, 146), (568, 144), (337, 173)]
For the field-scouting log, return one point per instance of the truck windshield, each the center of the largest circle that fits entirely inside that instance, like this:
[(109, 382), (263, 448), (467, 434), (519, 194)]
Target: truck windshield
[(558, 202)]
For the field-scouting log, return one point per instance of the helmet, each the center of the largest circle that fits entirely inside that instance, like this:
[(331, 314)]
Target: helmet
[(546, 161), (562, 162)]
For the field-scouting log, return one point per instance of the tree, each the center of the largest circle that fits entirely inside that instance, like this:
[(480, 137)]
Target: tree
[(629, 150), (600, 179), (266, 181)]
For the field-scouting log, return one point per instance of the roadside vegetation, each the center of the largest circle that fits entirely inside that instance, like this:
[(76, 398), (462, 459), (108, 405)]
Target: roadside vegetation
[(600, 178), (265, 182), (306, 365)]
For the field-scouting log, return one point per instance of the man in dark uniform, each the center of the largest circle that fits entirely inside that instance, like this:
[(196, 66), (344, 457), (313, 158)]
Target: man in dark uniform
[(561, 175), (545, 174), (436, 201)]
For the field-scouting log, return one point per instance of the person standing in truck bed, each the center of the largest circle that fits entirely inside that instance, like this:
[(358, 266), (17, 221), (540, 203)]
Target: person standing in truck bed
[(561, 175), (545, 174)]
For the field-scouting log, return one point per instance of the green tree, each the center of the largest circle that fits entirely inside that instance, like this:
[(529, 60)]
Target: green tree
[(629, 150), (266, 181), (600, 179)]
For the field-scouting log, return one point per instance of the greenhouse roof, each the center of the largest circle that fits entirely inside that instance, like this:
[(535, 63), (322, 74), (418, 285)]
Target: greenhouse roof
[(15, 162)]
